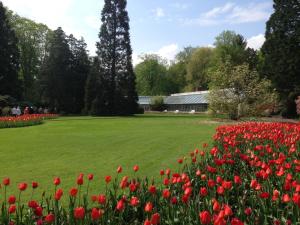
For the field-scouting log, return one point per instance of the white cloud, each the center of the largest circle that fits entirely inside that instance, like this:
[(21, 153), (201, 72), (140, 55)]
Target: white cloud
[(256, 42), (231, 13), (168, 52), (219, 10), (159, 12)]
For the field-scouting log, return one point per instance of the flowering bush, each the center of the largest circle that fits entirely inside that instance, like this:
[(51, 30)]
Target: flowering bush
[(24, 120), (249, 176)]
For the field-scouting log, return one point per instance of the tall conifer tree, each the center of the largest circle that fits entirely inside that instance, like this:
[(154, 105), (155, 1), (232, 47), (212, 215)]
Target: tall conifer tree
[(9, 58), (116, 94), (55, 72), (282, 47)]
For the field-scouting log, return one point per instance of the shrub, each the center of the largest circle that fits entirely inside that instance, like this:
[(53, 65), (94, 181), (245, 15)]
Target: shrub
[(157, 103), (238, 91)]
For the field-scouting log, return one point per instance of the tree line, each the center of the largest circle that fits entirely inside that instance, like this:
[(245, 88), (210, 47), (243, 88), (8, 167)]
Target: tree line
[(45, 67), (229, 64)]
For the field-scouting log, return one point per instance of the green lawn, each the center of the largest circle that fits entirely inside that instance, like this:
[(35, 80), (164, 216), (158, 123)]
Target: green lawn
[(69, 145)]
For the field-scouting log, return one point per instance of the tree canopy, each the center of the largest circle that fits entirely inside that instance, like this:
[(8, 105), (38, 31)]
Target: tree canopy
[(9, 57)]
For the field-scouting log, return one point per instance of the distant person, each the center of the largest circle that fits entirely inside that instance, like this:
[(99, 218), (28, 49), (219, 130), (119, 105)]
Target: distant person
[(26, 110), (14, 111), (40, 110), (46, 111), (18, 111)]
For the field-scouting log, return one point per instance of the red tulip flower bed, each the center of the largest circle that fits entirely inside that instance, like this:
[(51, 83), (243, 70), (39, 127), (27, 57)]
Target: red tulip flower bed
[(24, 120), (250, 176)]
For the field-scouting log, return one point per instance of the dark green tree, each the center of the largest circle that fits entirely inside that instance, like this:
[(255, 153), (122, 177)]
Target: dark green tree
[(9, 58), (232, 47), (281, 49), (55, 72), (91, 86), (118, 95), (79, 69)]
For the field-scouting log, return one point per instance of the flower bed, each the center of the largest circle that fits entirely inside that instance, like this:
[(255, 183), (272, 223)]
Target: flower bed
[(24, 120), (249, 176)]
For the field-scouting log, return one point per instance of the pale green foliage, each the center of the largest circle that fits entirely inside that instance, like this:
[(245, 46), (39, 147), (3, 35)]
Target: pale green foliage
[(197, 69), (151, 75), (239, 91)]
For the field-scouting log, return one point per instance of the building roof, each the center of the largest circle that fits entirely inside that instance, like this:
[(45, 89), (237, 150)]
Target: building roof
[(144, 100), (199, 97)]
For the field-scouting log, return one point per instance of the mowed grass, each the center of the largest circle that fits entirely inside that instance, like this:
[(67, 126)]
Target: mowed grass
[(68, 146)]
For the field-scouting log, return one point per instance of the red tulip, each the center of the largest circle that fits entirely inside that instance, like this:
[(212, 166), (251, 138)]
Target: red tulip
[(80, 179), (147, 222), (205, 217), (73, 192), (11, 199), (12, 209), (174, 200), (102, 199), (49, 218), (6, 181), (237, 180), (79, 213), (120, 205), (152, 189), (203, 191), (32, 204), (107, 179), (56, 181), (264, 195), (90, 177), (134, 201), (286, 198), (96, 214), (155, 219), (135, 168), (119, 169), (38, 211), (227, 210), (220, 190), (248, 211), (34, 185), (148, 207), (236, 221), (58, 194), (166, 193), (22, 186)]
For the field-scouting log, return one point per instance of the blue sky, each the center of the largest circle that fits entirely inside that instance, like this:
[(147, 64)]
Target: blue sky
[(163, 27)]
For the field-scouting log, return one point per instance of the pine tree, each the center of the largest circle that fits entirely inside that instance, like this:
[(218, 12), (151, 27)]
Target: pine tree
[(91, 86), (9, 58), (55, 72), (80, 66), (281, 48), (118, 95)]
